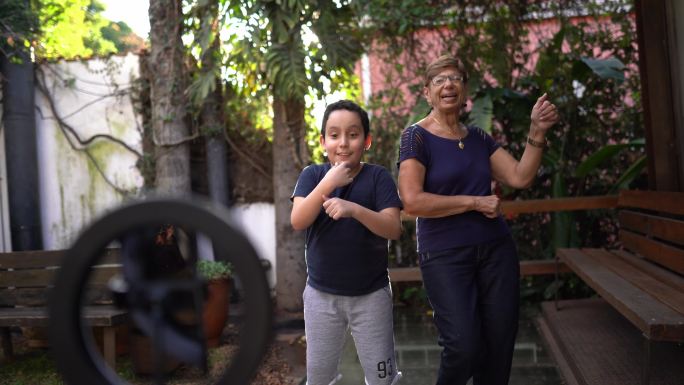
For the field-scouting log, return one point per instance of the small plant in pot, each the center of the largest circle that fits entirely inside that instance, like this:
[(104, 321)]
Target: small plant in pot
[(215, 312), (212, 270)]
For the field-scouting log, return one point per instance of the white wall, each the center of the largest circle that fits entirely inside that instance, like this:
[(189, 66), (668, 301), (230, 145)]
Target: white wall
[(257, 220), (93, 97), (73, 193), (5, 240)]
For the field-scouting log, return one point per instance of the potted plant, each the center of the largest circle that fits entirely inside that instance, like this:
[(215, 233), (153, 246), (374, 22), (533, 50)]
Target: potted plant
[(215, 312)]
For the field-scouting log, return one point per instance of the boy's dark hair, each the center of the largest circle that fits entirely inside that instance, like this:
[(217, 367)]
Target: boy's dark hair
[(349, 106)]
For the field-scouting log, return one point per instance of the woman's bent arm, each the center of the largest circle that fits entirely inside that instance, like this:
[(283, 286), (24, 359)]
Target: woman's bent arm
[(427, 205)]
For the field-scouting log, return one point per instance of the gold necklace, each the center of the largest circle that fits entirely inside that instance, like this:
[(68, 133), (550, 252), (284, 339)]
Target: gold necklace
[(460, 140)]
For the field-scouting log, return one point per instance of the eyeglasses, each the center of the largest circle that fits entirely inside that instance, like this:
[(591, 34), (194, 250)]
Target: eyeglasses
[(441, 79)]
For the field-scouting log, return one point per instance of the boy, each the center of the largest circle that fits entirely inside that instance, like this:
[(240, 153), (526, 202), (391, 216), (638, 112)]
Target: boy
[(349, 210)]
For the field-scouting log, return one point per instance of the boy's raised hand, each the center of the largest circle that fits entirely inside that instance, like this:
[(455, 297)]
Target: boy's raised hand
[(337, 208), (339, 175)]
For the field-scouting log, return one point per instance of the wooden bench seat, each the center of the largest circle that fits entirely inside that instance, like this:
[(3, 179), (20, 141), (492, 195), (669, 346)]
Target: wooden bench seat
[(645, 280), (25, 282)]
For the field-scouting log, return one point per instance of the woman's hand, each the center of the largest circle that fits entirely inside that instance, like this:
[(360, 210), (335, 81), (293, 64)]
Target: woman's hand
[(337, 208), (489, 206), (339, 175), (544, 115)]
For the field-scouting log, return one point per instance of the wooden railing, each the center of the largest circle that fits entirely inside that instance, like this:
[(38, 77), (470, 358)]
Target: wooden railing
[(530, 267)]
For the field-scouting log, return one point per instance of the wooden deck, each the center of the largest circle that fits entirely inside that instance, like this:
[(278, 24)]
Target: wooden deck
[(595, 345)]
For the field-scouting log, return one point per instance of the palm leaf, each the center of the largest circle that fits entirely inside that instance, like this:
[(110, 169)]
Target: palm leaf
[(286, 70), (202, 86), (609, 68), (338, 35), (482, 113), (632, 172), (603, 154)]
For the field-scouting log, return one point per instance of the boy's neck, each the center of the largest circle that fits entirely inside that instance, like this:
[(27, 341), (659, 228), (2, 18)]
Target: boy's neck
[(356, 170)]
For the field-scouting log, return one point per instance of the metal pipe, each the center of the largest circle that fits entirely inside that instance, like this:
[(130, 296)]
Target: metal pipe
[(21, 152)]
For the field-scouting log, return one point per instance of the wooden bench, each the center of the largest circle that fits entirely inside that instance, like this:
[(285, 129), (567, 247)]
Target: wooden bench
[(644, 281), (25, 281)]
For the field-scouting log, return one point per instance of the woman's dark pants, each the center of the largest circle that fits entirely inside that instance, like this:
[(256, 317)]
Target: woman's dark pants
[(474, 292)]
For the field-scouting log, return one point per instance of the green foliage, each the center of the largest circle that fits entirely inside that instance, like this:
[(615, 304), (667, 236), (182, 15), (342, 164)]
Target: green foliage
[(482, 113), (210, 270), (71, 28), (291, 50), (16, 25), (413, 295), (308, 41), (285, 67), (122, 36), (610, 68), (61, 29), (603, 154)]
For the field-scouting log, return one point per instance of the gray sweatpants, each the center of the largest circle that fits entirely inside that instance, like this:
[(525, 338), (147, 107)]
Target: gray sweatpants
[(329, 317)]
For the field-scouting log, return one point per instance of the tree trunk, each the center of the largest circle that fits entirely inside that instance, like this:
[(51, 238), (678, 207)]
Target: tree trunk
[(168, 83), (290, 155), (213, 124), (217, 161)]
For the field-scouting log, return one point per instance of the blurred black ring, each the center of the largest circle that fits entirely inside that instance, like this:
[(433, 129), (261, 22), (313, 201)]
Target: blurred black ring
[(74, 354)]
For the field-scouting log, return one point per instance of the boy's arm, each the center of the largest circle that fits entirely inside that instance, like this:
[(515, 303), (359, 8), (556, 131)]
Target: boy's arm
[(306, 209), (385, 223)]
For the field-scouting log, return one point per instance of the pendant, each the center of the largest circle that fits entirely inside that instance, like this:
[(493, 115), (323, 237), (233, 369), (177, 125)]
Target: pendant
[(460, 144)]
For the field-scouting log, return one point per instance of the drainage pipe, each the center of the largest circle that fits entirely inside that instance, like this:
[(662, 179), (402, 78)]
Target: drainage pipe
[(19, 124)]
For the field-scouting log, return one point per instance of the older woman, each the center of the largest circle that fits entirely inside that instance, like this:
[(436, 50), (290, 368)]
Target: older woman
[(467, 257)]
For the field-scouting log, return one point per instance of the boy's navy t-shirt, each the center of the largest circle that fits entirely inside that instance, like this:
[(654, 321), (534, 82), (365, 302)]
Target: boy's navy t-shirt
[(450, 170), (343, 257)]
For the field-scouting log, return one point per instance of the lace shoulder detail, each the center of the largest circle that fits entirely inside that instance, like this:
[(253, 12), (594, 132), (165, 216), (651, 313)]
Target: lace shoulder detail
[(412, 144), (489, 141), (480, 133)]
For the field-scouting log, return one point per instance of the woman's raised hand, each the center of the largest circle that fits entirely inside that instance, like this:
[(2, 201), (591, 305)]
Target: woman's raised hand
[(544, 114)]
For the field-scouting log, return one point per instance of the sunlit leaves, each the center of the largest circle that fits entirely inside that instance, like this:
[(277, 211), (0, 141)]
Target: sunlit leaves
[(302, 42), (61, 28), (339, 35), (285, 68), (71, 28), (202, 86)]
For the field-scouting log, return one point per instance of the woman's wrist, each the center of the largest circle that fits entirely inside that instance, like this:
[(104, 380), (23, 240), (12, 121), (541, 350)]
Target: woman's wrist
[(536, 137), (536, 143), (536, 133)]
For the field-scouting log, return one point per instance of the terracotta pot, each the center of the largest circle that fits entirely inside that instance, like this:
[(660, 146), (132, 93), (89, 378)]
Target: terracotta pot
[(215, 312), (143, 358)]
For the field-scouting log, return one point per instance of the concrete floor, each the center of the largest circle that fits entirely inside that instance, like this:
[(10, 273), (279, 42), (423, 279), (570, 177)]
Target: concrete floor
[(418, 354)]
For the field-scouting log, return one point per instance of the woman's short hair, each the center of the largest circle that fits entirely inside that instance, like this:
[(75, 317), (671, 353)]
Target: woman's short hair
[(441, 63)]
